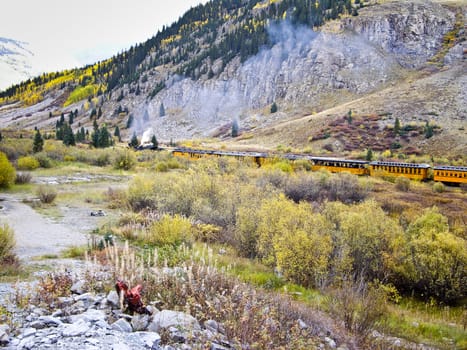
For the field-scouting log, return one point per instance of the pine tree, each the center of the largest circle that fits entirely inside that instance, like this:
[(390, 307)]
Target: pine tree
[(349, 116), (70, 118), (117, 133), (162, 110), (99, 113), (1, 137), (234, 128), (274, 107), (62, 119), (428, 130), (129, 121), (154, 142), (369, 155), (68, 136), (38, 143), (397, 126), (134, 141)]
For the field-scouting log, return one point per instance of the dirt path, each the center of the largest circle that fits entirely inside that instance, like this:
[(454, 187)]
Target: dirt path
[(37, 235)]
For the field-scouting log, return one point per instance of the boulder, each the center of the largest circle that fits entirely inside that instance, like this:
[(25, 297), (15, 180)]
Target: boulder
[(122, 325), (179, 320)]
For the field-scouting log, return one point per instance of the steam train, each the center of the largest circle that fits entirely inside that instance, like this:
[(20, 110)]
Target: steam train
[(446, 174)]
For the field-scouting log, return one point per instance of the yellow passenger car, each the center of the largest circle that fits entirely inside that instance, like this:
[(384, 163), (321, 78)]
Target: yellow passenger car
[(409, 170), (454, 174), (357, 167)]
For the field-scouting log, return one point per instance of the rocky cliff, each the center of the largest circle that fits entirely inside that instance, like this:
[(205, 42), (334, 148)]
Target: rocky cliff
[(308, 71)]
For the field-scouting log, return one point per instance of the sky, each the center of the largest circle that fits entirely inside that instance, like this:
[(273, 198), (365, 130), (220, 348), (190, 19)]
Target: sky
[(66, 34)]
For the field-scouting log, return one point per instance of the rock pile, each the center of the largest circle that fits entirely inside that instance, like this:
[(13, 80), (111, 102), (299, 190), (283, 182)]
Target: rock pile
[(88, 321)]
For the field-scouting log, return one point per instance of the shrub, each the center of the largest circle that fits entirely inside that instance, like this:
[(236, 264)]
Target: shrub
[(7, 171), (7, 243), (438, 187), (162, 167), (44, 161), (170, 230), (28, 163), (103, 159), (124, 160), (359, 306), (69, 158), (140, 193), (23, 178), (403, 184), (46, 194), (436, 264)]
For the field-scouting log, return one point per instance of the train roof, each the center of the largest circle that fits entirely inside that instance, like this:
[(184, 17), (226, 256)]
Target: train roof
[(451, 168), (340, 160), (405, 165)]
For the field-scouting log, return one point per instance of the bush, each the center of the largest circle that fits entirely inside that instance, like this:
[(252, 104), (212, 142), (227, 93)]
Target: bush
[(162, 167), (28, 163), (103, 159), (359, 306), (23, 178), (44, 161), (46, 194), (7, 171), (7, 243), (436, 264), (170, 230), (403, 184), (438, 187), (124, 160)]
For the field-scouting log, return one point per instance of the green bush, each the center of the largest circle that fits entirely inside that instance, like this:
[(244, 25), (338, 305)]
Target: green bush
[(7, 171), (28, 163), (7, 243), (436, 264), (44, 161), (170, 230), (438, 187), (124, 160), (46, 194), (403, 184)]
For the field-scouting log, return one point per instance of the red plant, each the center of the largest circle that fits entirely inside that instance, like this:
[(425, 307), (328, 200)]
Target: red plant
[(131, 297)]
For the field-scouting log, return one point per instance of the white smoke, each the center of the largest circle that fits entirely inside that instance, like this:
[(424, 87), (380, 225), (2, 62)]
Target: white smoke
[(147, 136)]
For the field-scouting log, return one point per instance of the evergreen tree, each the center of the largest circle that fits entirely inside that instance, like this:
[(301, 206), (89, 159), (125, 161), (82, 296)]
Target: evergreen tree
[(99, 113), (369, 155), (70, 118), (62, 119), (129, 122), (104, 138), (38, 143), (274, 107), (68, 136), (428, 130), (1, 137), (162, 110), (349, 116), (234, 128), (154, 142), (117, 133), (397, 126), (134, 141), (50, 115)]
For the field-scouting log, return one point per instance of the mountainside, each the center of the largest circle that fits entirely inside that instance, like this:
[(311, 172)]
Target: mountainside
[(15, 62), (230, 61)]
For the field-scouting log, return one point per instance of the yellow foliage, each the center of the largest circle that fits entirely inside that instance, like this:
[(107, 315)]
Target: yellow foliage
[(81, 93)]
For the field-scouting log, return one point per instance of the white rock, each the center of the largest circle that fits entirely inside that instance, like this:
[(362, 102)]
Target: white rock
[(76, 329), (168, 318), (122, 326)]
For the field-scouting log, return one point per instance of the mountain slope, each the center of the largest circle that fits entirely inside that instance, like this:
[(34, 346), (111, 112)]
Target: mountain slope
[(15, 62), (231, 59)]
